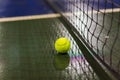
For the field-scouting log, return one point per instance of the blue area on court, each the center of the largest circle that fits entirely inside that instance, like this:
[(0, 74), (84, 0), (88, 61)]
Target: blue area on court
[(105, 4), (11, 8)]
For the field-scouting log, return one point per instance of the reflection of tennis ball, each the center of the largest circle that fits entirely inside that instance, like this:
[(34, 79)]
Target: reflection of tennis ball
[(61, 62), (62, 45)]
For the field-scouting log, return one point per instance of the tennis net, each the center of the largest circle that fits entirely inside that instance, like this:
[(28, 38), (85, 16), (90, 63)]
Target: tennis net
[(97, 22)]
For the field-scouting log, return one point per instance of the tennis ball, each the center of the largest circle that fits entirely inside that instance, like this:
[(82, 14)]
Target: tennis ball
[(62, 45)]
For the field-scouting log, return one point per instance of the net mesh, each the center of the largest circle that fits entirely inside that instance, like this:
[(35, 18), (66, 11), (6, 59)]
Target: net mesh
[(98, 22), (78, 68)]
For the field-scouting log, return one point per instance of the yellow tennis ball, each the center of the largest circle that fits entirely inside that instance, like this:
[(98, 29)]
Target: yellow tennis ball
[(62, 45)]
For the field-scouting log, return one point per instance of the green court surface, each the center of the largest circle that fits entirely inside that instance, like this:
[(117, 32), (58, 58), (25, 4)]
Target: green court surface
[(27, 51)]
